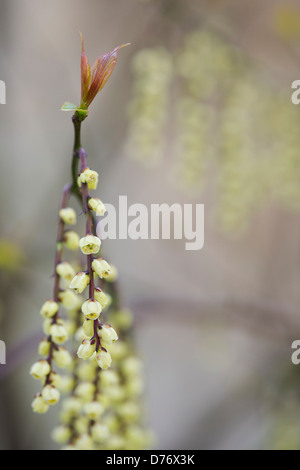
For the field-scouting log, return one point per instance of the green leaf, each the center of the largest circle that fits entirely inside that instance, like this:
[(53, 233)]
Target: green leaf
[(68, 106)]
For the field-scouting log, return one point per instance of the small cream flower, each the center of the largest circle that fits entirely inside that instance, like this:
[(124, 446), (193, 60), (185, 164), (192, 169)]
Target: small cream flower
[(97, 206), (86, 370), (88, 327), (58, 333), (68, 215), (109, 378), (103, 359), (39, 405), (69, 299), (66, 384), (91, 309), (101, 267), (62, 357), (55, 379), (112, 276), (46, 326), (71, 406), (49, 309), (90, 177), (85, 391), (40, 369), (84, 442), (103, 298), (81, 425), (131, 366), (86, 349), (107, 334), (90, 244), (65, 271), (129, 411), (50, 394), (71, 240), (80, 282), (44, 347), (100, 432), (61, 434), (94, 410)]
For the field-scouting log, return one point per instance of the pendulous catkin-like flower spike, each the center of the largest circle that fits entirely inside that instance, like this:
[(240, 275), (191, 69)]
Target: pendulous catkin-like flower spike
[(104, 384)]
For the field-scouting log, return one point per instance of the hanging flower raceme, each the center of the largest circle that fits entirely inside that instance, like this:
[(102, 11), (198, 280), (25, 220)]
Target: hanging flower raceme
[(54, 327), (102, 409)]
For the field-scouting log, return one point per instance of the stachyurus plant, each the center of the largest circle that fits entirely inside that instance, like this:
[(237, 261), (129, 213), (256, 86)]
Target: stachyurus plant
[(104, 382)]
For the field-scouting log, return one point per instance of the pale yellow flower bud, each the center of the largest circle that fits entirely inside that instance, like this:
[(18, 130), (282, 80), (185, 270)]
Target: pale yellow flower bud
[(93, 410), (85, 391), (97, 206), (40, 369), (129, 411), (101, 267), (123, 319), (55, 379), (86, 371), (50, 394), (119, 351), (112, 422), (44, 347), (103, 298), (65, 271), (39, 405), (80, 282), (62, 357), (49, 309), (113, 274), (66, 384), (132, 366), (79, 335), (69, 299), (46, 326), (81, 425), (71, 406), (90, 244), (70, 326), (86, 349), (109, 378), (134, 386), (107, 334), (71, 240), (100, 432), (88, 328), (68, 215), (90, 177), (104, 399), (61, 434), (84, 442), (58, 334), (103, 359), (91, 309), (116, 393)]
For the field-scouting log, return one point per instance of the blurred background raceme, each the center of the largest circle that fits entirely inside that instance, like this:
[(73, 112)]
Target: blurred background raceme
[(198, 110)]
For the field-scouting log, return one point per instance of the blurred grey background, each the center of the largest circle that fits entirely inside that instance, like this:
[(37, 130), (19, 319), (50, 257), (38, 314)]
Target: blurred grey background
[(214, 327)]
